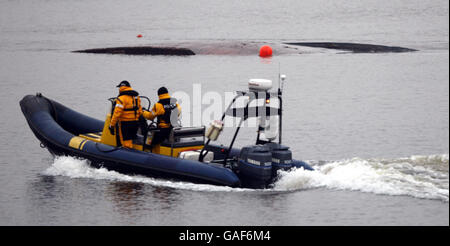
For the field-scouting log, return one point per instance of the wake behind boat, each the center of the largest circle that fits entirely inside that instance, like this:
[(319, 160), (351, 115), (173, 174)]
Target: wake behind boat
[(187, 155)]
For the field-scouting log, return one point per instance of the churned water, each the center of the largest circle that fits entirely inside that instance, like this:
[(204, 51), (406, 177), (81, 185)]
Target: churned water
[(375, 126)]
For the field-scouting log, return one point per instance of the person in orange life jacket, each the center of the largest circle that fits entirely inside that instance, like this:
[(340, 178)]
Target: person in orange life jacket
[(166, 119), (125, 118)]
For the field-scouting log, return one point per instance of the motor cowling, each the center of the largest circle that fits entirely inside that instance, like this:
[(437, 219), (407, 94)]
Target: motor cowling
[(281, 157), (255, 165)]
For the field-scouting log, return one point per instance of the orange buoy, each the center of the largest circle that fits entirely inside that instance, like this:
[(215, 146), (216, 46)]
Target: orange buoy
[(139, 36), (265, 51)]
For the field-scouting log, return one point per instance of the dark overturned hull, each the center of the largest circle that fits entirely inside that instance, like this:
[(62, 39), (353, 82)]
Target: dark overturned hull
[(141, 50), (354, 47), (239, 48), (56, 125)]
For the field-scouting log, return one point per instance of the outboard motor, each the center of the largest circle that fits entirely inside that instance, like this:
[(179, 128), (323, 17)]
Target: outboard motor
[(281, 157), (255, 165)]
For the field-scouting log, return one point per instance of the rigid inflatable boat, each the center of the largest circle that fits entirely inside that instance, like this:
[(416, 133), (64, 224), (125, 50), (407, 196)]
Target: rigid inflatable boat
[(187, 155)]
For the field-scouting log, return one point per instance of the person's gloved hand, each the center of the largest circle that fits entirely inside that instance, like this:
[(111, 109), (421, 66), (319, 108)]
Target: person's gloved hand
[(111, 130)]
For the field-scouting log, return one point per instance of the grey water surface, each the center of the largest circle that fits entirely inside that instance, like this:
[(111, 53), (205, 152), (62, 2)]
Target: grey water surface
[(375, 126)]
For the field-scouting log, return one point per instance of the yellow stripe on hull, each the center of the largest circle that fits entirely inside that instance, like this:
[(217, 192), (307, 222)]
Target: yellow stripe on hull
[(77, 142), (92, 137)]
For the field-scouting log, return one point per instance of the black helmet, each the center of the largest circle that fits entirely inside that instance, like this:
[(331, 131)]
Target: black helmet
[(162, 90), (124, 83)]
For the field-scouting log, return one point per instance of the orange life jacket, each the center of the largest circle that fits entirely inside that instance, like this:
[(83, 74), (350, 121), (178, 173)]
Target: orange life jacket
[(127, 106)]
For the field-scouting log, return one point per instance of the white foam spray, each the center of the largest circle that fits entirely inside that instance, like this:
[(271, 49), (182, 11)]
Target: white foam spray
[(416, 176), (80, 168)]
